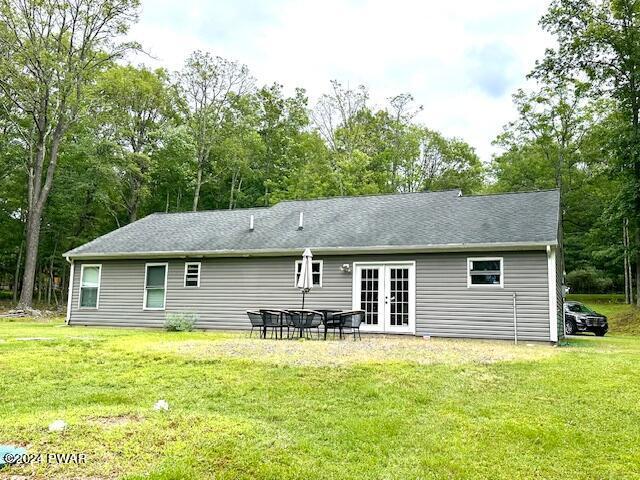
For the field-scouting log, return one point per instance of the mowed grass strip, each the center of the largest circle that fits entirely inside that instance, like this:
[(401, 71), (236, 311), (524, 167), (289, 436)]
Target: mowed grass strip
[(485, 410)]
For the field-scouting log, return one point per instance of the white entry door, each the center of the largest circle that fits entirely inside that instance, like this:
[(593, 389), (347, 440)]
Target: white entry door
[(386, 292)]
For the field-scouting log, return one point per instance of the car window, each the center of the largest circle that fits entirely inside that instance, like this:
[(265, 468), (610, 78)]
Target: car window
[(579, 308)]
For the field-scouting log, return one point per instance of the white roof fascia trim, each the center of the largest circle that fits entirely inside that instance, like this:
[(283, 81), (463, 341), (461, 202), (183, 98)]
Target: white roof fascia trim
[(319, 250)]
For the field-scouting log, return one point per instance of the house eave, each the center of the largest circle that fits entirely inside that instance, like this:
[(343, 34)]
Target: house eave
[(458, 247)]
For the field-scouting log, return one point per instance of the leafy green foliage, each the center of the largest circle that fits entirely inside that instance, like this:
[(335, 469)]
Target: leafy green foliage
[(180, 322), (588, 280)]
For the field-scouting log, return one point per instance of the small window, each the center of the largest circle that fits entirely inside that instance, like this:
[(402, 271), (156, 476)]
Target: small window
[(316, 272), (155, 286), (484, 272), (90, 286), (192, 274)]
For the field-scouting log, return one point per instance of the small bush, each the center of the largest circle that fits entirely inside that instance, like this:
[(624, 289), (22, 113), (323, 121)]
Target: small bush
[(180, 322)]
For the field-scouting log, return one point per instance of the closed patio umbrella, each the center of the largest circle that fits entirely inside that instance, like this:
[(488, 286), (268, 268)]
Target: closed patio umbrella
[(305, 281)]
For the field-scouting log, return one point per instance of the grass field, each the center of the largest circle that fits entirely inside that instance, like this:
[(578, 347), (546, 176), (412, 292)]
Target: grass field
[(381, 408)]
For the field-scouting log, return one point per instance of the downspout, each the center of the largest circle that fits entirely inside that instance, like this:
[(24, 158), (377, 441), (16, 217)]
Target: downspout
[(515, 320), (71, 278)]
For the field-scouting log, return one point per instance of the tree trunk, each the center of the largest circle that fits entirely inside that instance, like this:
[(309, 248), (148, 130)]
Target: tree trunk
[(39, 285), (627, 276), (637, 242), (238, 189), (196, 195), (33, 238), (50, 291), (16, 277), (134, 201), (63, 284)]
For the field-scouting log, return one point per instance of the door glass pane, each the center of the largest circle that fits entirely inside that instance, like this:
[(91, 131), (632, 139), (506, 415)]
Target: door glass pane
[(155, 298), (155, 276), (369, 294), (399, 297)]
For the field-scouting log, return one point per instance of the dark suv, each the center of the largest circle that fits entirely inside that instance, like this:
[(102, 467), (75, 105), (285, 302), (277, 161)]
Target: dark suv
[(580, 318)]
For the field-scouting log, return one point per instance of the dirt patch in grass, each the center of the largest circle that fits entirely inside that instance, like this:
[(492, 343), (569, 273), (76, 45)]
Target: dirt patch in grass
[(371, 349), (115, 421)]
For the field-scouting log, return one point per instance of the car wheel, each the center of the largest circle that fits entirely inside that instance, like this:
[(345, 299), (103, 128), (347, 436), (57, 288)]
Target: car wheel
[(569, 326), (599, 332)]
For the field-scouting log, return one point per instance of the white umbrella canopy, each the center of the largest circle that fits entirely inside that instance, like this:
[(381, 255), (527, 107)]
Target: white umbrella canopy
[(305, 281)]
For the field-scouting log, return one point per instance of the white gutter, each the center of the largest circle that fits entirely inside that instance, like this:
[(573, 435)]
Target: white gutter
[(319, 250)]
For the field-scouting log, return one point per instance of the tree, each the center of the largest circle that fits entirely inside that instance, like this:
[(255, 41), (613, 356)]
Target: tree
[(599, 40), (554, 118), (281, 123), (137, 105), (209, 85), (445, 163), (49, 52)]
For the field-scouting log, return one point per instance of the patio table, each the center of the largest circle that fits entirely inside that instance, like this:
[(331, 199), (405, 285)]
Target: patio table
[(301, 313)]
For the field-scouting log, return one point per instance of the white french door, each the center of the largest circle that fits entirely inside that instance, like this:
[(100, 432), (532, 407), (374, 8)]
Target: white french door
[(387, 294)]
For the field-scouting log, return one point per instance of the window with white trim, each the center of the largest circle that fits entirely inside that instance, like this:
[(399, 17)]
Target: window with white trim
[(155, 286), (316, 272), (192, 274), (484, 272), (90, 286)]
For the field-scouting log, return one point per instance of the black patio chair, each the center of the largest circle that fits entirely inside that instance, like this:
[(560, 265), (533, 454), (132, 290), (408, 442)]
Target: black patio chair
[(272, 320), (349, 320), (305, 320), (256, 322)]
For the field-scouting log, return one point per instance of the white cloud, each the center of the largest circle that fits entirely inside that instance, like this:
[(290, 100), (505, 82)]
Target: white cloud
[(461, 60)]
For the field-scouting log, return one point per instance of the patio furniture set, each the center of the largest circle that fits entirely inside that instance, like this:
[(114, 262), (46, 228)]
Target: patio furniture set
[(301, 323)]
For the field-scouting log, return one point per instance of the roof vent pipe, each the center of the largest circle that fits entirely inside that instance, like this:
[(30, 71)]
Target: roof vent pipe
[(301, 221), (251, 223)]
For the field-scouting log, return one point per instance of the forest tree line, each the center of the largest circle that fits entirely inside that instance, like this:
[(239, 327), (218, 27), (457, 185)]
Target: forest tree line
[(90, 142)]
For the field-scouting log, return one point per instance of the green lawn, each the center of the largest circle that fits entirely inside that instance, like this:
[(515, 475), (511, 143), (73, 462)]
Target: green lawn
[(243, 408)]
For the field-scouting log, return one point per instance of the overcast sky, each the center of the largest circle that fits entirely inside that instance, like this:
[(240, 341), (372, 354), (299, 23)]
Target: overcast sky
[(461, 59)]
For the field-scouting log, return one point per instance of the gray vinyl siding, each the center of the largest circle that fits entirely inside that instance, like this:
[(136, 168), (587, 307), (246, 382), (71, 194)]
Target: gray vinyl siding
[(445, 306)]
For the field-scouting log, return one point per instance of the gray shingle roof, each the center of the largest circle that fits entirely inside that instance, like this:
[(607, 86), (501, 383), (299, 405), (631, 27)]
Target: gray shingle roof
[(428, 219)]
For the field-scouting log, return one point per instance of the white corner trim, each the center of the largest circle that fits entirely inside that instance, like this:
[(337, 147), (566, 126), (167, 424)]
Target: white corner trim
[(553, 297), (70, 293), (166, 274), (82, 267)]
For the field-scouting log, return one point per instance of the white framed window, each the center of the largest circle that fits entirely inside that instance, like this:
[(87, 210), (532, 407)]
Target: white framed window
[(90, 276), (485, 272), (155, 286), (316, 272), (192, 274)]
